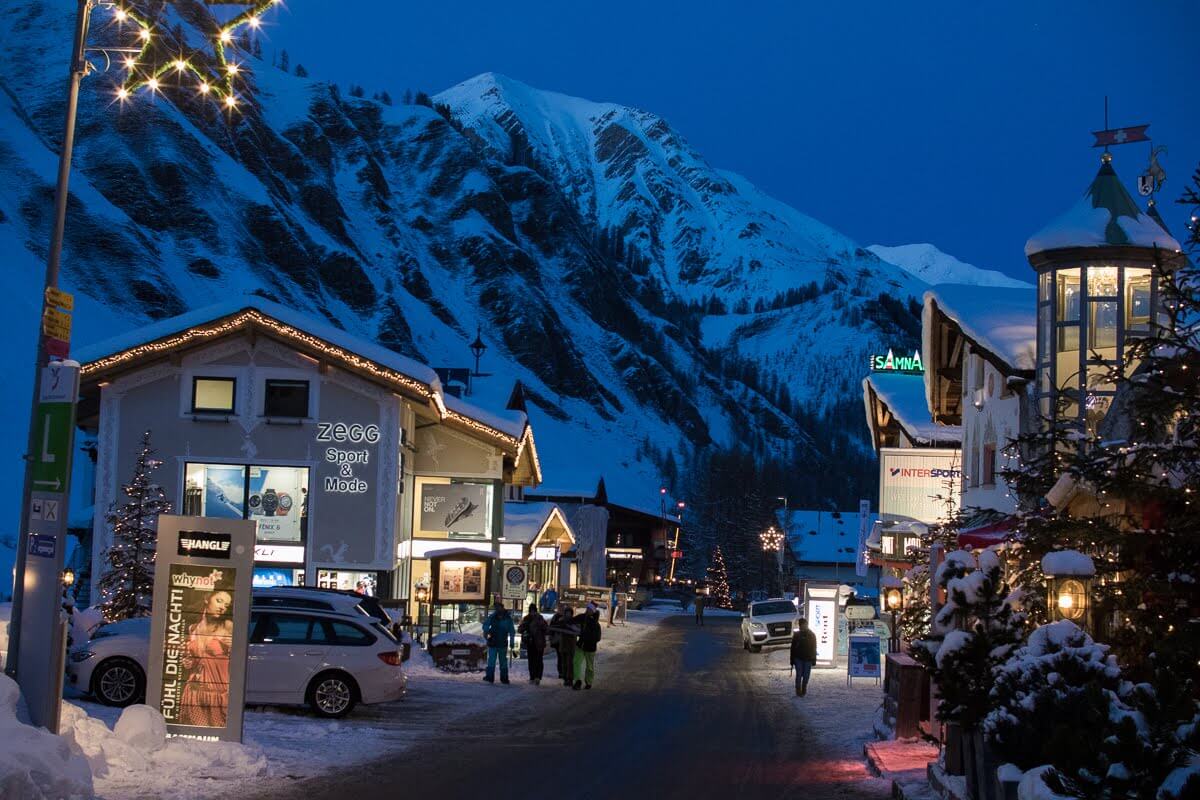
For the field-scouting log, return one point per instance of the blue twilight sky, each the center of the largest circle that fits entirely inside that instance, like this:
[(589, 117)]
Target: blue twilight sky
[(965, 124)]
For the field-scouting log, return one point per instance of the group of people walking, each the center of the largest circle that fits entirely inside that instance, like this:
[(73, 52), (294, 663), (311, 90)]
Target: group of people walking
[(573, 637)]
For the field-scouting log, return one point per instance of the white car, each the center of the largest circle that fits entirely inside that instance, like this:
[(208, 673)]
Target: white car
[(326, 659), (768, 623)]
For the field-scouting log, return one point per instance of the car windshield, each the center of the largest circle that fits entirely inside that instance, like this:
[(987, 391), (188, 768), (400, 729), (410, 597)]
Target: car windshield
[(777, 607)]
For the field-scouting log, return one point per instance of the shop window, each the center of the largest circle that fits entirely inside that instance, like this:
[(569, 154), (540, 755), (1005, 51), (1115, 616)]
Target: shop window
[(284, 398), (213, 395), (888, 544), (989, 464), (1102, 325), (276, 497)]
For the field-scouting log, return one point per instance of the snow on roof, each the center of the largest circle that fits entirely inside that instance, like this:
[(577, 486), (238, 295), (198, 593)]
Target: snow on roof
[(507, 421), (1105, 215), (524, 521), (904, 395), (322, 330), (1002, 321), (821, 537)]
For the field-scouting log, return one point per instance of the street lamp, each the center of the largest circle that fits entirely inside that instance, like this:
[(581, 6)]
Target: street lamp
[(1069, 575), (478, 348), (895, 601)]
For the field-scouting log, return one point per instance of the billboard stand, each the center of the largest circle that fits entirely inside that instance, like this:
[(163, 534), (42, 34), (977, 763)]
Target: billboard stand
[(200, 628), (821, 611)]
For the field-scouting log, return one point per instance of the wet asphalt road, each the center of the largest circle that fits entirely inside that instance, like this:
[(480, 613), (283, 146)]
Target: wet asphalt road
[(679, 716)]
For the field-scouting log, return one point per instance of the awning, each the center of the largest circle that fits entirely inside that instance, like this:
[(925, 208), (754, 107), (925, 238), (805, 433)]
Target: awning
[(986, 536)]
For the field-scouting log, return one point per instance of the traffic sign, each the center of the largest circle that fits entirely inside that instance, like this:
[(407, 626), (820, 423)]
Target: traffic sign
[(56, 324), (50, 459), (59, 299), (42, 545), (516, 581)]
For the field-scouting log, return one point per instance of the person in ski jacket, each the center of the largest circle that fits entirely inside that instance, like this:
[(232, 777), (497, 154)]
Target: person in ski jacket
[(501, 634), (585, 649), (803, 655), (549, 599), (562, 639), (533, 630)]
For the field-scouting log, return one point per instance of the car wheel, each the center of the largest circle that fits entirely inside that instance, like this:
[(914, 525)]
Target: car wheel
[(119, 682), (332, 694), (756, 648)]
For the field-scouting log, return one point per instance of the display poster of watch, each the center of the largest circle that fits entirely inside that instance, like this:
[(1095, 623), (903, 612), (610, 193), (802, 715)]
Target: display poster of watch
[(272, 501)]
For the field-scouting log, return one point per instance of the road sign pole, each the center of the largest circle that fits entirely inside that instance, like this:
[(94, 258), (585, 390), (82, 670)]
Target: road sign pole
[(78, 70)]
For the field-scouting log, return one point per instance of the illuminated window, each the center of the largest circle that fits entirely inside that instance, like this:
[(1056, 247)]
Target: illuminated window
[(213, 395), (1137, 300)]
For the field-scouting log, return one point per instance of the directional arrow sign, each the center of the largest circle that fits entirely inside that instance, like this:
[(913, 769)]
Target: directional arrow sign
[(54, 421)]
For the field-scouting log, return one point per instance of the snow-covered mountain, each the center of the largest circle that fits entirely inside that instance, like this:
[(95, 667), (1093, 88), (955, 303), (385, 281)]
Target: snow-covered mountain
[(652, 305), (931, 265)]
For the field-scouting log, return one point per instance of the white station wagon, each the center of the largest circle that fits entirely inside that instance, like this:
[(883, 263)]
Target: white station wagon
[(326, 659)]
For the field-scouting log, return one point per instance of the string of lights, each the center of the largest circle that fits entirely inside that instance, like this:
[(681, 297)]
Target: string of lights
[(152, 66)]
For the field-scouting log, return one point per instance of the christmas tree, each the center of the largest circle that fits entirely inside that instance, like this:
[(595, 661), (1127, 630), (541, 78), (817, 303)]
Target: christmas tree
[(718, 581), (127, 587)]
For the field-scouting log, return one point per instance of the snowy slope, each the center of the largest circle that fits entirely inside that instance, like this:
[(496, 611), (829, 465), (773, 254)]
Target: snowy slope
[(931, 265), (651, 304)]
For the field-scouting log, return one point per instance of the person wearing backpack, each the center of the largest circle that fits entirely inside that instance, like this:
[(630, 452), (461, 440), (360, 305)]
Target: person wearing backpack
[(501, 634), (585, 648), (533, 630)]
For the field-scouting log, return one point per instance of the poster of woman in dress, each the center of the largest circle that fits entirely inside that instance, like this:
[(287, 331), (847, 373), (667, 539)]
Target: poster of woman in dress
[(197, 647)]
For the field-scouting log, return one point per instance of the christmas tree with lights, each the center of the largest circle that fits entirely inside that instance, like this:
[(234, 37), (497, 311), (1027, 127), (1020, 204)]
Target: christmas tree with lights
[(718, 581), (127, 587)]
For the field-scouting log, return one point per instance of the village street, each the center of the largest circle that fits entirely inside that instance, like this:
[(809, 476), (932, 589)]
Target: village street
[(682, 713)]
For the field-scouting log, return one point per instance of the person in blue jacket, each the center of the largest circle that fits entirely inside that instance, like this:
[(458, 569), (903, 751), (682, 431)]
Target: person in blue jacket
[(501, 636), (549, 600)]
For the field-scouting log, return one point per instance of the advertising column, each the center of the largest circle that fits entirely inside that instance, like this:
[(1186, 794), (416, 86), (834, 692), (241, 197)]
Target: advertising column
[(200, 627)]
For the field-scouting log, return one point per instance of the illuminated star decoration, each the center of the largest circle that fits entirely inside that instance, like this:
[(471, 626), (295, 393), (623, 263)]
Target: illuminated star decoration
[(147, 68)]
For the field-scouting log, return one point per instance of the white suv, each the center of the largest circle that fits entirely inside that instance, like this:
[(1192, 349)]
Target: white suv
[(329, 660), (768, 623)]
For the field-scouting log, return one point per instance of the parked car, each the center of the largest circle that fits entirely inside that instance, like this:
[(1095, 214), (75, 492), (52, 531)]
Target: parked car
[(327, 659), (768, 623)]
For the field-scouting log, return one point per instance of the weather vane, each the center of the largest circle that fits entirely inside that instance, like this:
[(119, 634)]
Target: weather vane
[(157, 62)]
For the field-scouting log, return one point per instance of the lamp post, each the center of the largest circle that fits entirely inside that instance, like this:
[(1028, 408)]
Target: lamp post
[(680, 506), (895, 601), (772, 542), (1069, 576), (478, 348)]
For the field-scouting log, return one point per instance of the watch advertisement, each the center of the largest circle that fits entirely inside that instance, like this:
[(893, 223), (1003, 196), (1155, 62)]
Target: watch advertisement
[(460, 581), (455, 507), (277, 502)]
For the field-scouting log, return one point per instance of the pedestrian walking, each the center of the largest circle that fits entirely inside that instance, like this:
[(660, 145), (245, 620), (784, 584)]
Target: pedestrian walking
[(562, 639), (803, 655), (701, 600), (501, 635), (585, 648), (533, 630)]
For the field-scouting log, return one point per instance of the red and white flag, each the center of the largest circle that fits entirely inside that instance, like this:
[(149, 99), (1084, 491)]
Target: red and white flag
[(1136, 133)]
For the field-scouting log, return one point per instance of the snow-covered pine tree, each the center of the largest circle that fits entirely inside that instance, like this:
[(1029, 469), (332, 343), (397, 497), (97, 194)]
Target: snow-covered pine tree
[(718, 580), (127, 587)]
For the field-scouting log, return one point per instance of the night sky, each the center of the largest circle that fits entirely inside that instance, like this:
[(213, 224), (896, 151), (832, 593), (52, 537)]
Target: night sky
[(962, 124)]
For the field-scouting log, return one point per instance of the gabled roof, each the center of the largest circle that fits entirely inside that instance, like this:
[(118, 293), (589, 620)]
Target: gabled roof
[(253, 315), (1105, 216), (527, 522), (897, 399)]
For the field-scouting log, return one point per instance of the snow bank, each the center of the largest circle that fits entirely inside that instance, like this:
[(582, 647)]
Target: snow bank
[(137, 755), (457, 639), (1068, 562), (34, 763), (1033, 786)]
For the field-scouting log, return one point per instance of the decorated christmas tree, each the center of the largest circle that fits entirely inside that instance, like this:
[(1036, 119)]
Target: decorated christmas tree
[(718, 581), (127, 587)]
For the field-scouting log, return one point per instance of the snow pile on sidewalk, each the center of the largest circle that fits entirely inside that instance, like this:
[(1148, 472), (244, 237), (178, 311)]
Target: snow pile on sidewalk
[(34, 763), (136, 755)]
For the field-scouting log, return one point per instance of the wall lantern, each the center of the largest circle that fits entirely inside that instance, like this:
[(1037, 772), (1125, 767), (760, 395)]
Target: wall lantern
[(422, 594), (893, 599), (1069, 576), (68, 577)]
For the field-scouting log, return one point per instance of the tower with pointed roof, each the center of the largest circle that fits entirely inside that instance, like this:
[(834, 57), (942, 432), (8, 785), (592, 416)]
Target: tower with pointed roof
[(1099, 266)]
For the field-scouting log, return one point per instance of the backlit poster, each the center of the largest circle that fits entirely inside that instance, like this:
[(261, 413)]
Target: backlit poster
[(461, 581), (822, 619), (277, 501), (224, 490), (914, 483), (199, 628), (455, 507)]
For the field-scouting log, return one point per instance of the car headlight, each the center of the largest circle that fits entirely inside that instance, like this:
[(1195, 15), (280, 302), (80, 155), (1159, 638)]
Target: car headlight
[(757, 626), (81, 655)]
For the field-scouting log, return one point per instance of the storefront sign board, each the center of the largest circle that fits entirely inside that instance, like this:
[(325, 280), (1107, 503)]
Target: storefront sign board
[(864, 657), (577, 597), (199, 630), (914, 482), (455, 507)]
